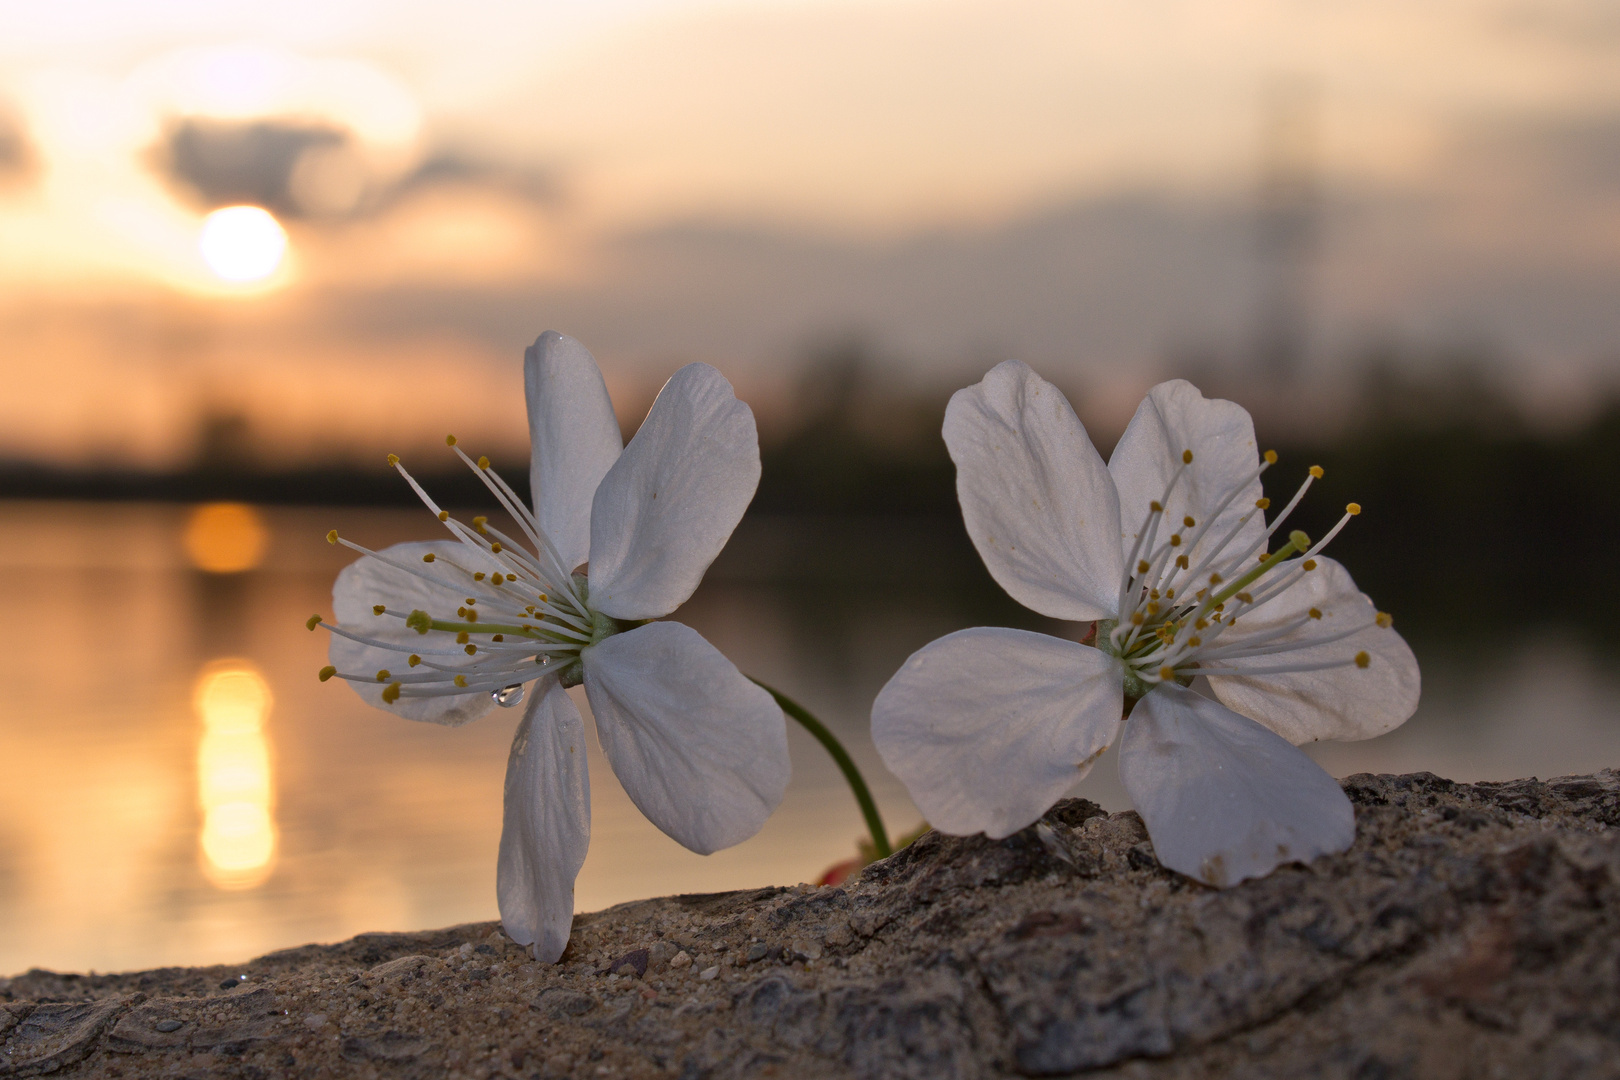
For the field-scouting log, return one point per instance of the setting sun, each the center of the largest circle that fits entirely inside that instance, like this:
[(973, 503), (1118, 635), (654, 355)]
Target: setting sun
[(242, 243)]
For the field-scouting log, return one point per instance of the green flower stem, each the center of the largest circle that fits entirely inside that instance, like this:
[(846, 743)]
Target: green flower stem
[(846, 764)]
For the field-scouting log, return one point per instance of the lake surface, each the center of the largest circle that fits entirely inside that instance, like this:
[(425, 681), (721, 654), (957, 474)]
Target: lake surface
[(178, 788)]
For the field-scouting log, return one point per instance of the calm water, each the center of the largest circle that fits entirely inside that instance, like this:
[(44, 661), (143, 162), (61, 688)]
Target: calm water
[(178, 787)]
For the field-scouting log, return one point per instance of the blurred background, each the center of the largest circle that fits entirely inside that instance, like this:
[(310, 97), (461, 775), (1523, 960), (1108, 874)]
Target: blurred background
[(246, 250)]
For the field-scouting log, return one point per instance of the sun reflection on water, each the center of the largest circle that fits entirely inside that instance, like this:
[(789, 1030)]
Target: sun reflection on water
[(225, 537), (233, 775)]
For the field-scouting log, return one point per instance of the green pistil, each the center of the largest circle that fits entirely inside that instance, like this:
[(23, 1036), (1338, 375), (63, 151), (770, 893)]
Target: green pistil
[(1297, 541), (422, 622)]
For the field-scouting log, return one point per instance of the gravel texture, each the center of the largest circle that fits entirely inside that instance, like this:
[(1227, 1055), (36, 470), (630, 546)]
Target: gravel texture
[(1472, 931)]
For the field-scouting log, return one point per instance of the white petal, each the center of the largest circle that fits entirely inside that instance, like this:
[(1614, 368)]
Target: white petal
[(665, 510), (1223, 798), (367, 582), (1036, 497), (987, 728), (547, 824), (700, 749), (573, 439), (1335, 703), (1172, 419)]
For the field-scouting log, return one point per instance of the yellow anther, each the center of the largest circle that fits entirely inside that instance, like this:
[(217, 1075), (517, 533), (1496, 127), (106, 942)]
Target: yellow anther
[(461, 613), (1299, 540), (1201, 624), (495, 547), (1153, 594), (1247, 598), (1195, 641), (1188, 522), (483, 462), (1167, 673), (393, 459), (1353, 509), (479, 576), (1316, 472), (472, 615), (1262, 504), (391, 693), (444, 515), (1153, 608), (543, 599), (1215, 579), (449, 440), (327, 672), (1271, 457), (496, 579), (1314, 613), (460, 680), (384, 675), (471, 601), (1175, 541), (413, 660), (1384, 619), (331, 537), (1186, 457), (1181, 562), (312, 622), (498, 637), (1155, 507), (1137, 619), (428, 557), (472, 649), (461, 638), (1143, 566), (1362, 659), (478, 521), (378, 609), (1308, 564), (1169, 594)]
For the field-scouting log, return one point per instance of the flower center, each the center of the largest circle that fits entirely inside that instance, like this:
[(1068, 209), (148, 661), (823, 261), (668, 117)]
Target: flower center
[(1175, 615), (522, 609)]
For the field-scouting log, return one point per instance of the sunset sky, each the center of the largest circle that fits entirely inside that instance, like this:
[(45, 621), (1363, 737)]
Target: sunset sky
[(960, 181)]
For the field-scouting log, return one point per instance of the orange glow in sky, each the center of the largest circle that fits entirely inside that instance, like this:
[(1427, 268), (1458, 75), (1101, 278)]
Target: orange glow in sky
[(339, 221)]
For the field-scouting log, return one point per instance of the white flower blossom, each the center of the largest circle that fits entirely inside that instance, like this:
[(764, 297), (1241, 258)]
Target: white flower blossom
[(618, 536), (1166, 549)]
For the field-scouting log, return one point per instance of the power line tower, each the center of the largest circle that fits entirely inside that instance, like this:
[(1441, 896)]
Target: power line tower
[(1287, 228)]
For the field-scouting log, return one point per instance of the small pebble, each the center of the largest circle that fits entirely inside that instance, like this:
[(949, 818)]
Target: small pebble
[(709, 972), (682, 959), (315, 1020), (167, 1026)]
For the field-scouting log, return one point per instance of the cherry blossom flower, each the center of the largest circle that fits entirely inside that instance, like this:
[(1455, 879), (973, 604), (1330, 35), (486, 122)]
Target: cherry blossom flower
[(1166, 548), (618, 536)]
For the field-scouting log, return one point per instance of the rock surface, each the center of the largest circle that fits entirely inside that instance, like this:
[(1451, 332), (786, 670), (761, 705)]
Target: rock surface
[(1472, 931)]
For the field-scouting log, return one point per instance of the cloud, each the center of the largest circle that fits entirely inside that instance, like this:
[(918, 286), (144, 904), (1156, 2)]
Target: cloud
[(17, 160), (527, 182), (220, 163), (1579, 152), (1113, 286)]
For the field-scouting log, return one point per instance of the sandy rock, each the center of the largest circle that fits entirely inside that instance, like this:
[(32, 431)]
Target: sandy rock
[(1471, 931)]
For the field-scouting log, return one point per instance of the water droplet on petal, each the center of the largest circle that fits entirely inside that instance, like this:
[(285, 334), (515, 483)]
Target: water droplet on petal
[(508, 696)]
